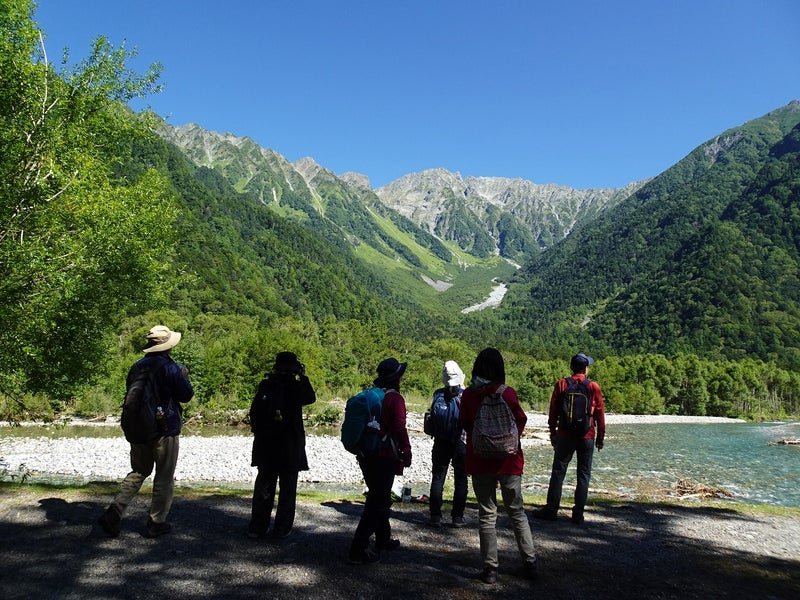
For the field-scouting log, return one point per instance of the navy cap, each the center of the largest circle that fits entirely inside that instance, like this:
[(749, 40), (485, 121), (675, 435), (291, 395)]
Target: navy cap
[(580, 361)]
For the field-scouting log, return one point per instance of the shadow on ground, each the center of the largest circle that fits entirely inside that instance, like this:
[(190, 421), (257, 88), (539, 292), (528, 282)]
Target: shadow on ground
[(51, 547)]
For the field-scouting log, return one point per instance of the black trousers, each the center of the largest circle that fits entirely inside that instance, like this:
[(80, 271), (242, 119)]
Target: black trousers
[(379, 476), (264, 500), (566, 447), (444, 453)]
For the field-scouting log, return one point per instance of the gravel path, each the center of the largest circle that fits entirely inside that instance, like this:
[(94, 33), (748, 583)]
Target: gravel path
[(50, 547)]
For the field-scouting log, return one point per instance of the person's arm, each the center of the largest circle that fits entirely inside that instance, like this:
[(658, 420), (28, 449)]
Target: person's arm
[(599, 417), (552, 418), (395, 424), (178, 382), (307, 393), (510, 397)]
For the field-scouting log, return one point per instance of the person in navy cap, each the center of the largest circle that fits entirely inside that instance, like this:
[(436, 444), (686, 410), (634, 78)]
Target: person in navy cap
[(577, 425)]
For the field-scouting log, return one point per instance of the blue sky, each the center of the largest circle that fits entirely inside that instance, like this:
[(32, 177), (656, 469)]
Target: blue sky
[(580, 93)]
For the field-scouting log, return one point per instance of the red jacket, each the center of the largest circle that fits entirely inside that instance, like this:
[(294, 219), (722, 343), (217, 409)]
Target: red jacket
[(476, 465), (598, 423), (393, 422)]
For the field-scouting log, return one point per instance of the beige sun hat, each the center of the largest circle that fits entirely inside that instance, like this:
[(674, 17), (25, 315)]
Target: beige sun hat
[(161, 338)]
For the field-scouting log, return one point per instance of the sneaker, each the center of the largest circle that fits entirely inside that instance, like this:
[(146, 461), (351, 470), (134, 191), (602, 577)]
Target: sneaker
[(545, 514), (435, 521), (459, 522), (390, 544), (577, 517), (365, 557), (488, 575), (153, 529), (530, 571), (110, 520)]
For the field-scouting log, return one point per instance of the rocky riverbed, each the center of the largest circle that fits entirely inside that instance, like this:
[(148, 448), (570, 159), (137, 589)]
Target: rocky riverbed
[(226, 459)]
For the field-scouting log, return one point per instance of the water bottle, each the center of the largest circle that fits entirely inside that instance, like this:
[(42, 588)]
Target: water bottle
[(406, 495)]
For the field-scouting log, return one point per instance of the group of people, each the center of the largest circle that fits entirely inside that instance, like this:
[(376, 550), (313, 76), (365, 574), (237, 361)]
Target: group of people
[(276, 420)]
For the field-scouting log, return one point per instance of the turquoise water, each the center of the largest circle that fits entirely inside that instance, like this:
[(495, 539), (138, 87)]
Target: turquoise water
[(643, 458)]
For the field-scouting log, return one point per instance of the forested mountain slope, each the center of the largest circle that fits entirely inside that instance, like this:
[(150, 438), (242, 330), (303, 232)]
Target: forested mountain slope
[(703, 258)]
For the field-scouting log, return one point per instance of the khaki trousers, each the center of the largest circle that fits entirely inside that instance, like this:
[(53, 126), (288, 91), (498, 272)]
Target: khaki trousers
[(161, 454), (485, 487)]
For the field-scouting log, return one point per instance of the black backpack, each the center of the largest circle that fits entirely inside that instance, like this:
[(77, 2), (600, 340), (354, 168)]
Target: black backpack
[(576, 407), (268, 414), (143, 417)]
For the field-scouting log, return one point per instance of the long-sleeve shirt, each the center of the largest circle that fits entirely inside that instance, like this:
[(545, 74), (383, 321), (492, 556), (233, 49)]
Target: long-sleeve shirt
[(393, 422), (598, 422)]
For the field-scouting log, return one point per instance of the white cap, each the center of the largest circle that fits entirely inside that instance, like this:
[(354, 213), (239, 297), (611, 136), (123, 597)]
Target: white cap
[(452, 374)]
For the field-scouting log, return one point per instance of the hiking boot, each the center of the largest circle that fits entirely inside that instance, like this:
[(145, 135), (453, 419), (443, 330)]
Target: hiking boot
[(364, 557), (459, 522), (110, 520), (577, 517), (435, 521), (390, 544), (153, 529), (488, 575), (530, 570), (545, 514)]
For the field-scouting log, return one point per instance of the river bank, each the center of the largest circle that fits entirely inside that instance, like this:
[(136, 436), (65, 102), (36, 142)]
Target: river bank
[(226, 459)]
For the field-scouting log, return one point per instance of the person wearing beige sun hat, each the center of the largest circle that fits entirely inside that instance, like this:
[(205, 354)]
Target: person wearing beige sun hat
[(165, 385)]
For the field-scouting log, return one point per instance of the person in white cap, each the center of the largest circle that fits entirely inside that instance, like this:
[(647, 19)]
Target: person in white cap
[(171, 389), (449, 445), (576, 431)]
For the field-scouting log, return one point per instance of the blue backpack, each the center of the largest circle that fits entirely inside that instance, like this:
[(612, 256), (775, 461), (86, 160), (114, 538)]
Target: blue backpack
[(361, 425), (444, 415)]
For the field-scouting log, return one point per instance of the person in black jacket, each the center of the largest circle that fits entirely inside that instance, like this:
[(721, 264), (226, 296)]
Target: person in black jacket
[(279, 444)]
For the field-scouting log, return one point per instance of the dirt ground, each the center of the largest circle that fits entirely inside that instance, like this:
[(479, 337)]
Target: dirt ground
[(51, 547)]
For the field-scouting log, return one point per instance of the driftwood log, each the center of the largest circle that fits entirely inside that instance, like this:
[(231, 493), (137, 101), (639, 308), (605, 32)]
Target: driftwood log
[(786, 442), (686, 488)]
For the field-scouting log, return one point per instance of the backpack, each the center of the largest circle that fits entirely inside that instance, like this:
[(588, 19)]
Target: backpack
[(494, 432), (268, 409), (143, 418), (442, 419), (361, 426), (575, 413)]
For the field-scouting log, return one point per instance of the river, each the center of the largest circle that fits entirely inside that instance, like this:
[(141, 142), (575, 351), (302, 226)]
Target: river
[(641, 458)]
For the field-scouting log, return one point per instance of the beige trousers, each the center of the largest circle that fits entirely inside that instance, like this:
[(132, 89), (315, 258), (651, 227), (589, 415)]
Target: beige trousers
[(161, 454), (485, 487)]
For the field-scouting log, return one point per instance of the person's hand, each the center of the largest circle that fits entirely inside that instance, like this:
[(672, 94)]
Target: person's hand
[(599, 445), (553, 439), (184, 371)]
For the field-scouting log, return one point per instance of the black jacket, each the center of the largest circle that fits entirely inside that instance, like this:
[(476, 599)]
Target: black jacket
[(276, 419)]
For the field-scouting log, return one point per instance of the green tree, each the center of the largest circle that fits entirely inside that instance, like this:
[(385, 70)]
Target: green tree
[(78, 246)]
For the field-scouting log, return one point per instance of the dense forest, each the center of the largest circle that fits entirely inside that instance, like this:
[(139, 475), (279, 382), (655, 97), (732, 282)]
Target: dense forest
[(686, 292)]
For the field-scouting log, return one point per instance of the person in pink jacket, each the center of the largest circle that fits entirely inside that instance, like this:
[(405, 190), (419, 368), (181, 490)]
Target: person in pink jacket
[(490, 474)]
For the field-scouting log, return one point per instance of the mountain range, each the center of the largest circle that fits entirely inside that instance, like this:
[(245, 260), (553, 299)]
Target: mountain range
[(657, 266)]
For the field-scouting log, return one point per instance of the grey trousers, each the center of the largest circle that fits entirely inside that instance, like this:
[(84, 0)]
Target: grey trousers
[(161, 454), (485, 488)]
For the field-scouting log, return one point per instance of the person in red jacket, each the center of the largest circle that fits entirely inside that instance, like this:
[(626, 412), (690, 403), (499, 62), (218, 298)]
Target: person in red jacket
[(488, 374), (566, 443), (379, 469)]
